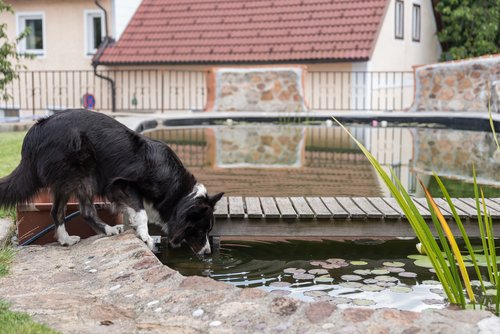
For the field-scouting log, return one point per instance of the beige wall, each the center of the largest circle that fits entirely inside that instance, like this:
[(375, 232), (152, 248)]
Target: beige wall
[(391, 54), (64, 39)]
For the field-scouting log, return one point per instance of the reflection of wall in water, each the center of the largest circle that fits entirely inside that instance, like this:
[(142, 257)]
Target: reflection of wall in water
[(452, 153)]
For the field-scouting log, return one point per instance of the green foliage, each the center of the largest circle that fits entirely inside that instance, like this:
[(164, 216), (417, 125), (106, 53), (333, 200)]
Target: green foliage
[(470, 28), (10, 155), (6, 257), (9, 57), (19, 323)]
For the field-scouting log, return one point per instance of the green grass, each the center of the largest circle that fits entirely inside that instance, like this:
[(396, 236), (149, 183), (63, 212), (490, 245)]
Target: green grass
[(19, 323), (10, 155), (6, 257), (458, 188)]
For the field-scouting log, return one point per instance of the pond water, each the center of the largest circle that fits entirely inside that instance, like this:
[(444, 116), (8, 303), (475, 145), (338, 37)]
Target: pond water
[(262, 159), (368, 273)]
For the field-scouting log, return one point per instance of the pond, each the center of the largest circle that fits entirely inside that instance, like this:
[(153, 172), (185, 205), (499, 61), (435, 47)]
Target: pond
[(349, 273), (262, 159), (319, 159)]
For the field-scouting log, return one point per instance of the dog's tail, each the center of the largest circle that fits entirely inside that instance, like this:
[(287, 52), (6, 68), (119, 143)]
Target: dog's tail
[(20, 186)]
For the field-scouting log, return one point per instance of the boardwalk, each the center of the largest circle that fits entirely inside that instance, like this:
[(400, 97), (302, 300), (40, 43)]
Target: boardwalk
[(365, 217)]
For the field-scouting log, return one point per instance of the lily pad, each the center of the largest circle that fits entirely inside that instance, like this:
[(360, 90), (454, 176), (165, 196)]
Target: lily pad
[(315, 293), (407, 274), (351, 277), (294, 271), (351, 285), (362, 272), (281, 292), (359, 263), (401, 289), (386, 284), (432, 301), (318, 271), (280, 284), (341, 300), (393, 264), (395, 269), (417, 256), (301, 276), (363, 302), (491, 292), (318, 263), (372, 288), (370, 281), (432, 282), (323, 279), (423, 262), (385, 278), (380, 272)]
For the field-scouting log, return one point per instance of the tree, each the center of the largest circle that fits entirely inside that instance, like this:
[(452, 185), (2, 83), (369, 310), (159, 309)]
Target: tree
[(9, 57), (468, 28)]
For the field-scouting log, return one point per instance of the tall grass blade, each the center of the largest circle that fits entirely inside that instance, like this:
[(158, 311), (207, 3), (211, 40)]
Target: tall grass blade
[(416, 221), (453, 244), (461, 227)]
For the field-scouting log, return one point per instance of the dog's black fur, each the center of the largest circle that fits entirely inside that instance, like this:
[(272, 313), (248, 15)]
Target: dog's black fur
[(85, 153)]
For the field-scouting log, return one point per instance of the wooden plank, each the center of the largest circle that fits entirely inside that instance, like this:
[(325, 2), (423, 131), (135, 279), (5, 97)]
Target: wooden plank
[(391, 201), (351, 207), (285, 207), (302, 208), (443, 204), (221, 208), (469, 210), (335, 208), (472, 202), (269, 207), (385, 208), (496, 199), (319, 208), (236, 208), (253, 207), (493, 207), (421, 204), (367, 207)]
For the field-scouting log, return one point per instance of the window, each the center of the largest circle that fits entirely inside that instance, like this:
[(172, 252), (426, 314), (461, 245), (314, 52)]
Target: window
[(415, 31), (94, 29), (33, 43), (399, 19)]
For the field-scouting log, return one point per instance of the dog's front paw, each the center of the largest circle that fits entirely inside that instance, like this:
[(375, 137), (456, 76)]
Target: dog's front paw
[(113, 230), (148, 240), (70, 240)]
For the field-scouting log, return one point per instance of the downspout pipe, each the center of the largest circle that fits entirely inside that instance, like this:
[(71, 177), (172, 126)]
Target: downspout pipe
[(95, 60)]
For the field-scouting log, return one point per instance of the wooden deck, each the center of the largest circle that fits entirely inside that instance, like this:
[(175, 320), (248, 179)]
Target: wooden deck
[(343, 217)]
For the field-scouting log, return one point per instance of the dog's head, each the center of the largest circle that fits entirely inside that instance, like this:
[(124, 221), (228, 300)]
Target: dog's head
[(193, 219)]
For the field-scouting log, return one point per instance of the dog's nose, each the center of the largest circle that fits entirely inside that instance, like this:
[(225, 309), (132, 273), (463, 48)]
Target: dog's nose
[(206, 249)]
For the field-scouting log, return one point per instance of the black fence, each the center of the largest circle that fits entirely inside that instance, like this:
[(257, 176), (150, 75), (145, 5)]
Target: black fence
[(38, 92)]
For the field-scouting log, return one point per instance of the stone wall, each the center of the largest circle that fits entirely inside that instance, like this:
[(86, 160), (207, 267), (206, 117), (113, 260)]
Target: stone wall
[(458, 86), (267, 89), (452, 153), (263, 146)]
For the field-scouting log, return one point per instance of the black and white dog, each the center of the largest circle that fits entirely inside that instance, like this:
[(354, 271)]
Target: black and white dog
[(85, 153)]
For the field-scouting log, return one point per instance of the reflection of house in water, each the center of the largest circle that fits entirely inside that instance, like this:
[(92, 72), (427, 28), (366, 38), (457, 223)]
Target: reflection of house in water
[(326, 162)]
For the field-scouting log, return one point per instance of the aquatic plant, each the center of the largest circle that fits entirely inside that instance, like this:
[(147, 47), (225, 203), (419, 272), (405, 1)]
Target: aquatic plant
[(445, 256)]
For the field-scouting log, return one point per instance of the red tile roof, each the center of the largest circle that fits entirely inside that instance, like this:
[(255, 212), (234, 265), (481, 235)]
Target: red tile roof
[(248, 31)]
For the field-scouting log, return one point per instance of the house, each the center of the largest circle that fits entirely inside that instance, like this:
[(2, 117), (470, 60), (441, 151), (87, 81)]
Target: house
[(65, 34), (64, 37), (359, 54)]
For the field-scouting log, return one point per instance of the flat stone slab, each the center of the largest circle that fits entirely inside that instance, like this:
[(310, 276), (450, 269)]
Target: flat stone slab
[(116, 285)]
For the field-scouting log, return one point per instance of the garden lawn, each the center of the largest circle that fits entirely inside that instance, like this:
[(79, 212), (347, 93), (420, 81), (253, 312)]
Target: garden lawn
[(10, 155)]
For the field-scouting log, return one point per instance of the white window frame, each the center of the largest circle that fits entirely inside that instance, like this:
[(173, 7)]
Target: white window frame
[(416, 19), (399, 20), (88, 15), (21, 18)]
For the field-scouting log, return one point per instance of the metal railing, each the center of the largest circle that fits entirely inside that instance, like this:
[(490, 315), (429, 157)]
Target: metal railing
[(37, 92)]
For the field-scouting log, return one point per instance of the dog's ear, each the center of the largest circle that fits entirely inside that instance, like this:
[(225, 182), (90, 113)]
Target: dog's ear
[(214, 199)]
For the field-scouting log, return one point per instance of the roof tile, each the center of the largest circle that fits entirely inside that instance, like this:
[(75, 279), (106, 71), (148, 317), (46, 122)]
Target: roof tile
[(242, 31)]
